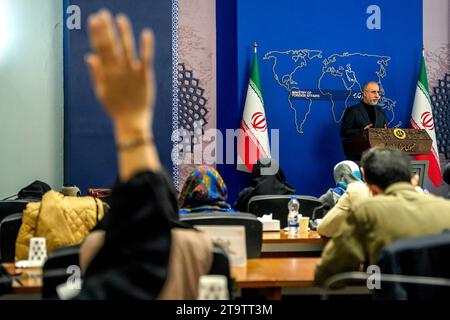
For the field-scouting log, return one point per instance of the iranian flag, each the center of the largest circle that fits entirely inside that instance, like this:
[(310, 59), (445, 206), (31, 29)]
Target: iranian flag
[(253, 140), (422, 118)]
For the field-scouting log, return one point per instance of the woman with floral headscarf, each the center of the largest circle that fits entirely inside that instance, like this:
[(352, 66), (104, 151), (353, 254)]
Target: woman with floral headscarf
[(204, 191)]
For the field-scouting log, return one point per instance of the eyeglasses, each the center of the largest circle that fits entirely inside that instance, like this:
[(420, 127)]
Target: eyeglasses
[(380, 92)]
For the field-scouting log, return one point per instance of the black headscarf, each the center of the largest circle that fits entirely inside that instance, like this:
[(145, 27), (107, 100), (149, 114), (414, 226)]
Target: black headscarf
[(446, 174), (274, 184), (134, 259)]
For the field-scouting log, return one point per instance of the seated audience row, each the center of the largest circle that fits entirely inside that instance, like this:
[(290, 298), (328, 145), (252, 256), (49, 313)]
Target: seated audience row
[(396, 211)]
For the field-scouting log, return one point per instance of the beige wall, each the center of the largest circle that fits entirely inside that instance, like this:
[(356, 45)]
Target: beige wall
[(197, 50), (436, 39), (31, 94)]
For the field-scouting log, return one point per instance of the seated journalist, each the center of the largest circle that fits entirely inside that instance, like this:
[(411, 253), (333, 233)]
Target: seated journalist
[(262, 183), (204, 191), (396, 211), (349, 191)]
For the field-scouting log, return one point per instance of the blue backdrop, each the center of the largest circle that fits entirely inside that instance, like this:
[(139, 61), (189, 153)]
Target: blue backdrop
[(89, 155), (313, 59)]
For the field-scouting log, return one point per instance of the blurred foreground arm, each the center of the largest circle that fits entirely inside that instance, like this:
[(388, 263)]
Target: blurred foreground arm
[(130, 260), (90, 246), (125, 86)]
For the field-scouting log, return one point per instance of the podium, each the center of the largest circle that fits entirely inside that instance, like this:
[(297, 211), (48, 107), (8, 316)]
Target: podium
[(410, 141)]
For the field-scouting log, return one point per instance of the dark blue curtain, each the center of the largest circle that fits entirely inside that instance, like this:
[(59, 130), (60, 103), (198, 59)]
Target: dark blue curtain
[(89, 155)]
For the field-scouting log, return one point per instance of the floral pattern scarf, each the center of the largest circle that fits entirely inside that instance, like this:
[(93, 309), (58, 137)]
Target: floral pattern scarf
[(203, 191)]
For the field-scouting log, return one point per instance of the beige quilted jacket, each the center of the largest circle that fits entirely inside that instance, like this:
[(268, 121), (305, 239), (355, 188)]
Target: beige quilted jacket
[(61, 220)]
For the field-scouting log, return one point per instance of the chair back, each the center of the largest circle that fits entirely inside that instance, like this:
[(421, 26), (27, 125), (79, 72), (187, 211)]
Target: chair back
[(253, 227), (422, 256), (9, 229), (221, 265), (414, 268), (278, 206), (55, 270), (8, 207)]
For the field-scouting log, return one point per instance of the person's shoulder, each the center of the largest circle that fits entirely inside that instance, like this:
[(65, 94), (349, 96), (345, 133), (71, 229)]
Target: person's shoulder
[(370, 204), (435, 199), (356, 185), (379, 108), (358, 188), (354, 107), (387, 202)]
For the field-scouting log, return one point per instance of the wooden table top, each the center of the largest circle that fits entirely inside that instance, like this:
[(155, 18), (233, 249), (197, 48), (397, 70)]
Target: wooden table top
[(283, 237), (276, 272), (257, 273), (26, 280)]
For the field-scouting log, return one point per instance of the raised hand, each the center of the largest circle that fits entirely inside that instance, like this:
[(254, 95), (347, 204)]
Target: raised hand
[(123, 83), (126, 87)]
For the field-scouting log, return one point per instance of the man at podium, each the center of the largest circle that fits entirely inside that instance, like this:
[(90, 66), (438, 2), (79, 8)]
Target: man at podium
[(363, 115)]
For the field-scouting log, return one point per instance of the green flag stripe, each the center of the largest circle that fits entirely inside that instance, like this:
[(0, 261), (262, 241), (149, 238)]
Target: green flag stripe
[(255, 73), (256, 90), (423, 75), (424, 91), (255, 82)]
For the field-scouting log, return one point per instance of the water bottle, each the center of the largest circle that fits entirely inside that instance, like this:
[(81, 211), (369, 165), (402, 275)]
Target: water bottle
[(293, 207)]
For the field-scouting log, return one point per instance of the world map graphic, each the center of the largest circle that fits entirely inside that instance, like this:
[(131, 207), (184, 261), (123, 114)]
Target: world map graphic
[(313, 82)]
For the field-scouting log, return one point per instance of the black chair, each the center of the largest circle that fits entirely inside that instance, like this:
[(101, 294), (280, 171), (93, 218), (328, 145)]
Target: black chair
[(421, 256), (221, 266), (55, 270), (8, 207), (415, 268), (9, 229), (253, 227), (278, 206)]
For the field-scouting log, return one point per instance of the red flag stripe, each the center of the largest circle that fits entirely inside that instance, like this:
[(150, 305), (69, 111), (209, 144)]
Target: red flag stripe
[(434, 168), (247, 130)]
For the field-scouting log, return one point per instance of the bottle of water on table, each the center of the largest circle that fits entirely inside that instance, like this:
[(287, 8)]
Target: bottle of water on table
[(293, 217)]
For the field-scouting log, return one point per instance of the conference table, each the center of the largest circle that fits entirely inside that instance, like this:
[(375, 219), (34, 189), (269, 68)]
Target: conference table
[(271, 274), (26, 280), (280, 244), (275, 274), (282, 265)]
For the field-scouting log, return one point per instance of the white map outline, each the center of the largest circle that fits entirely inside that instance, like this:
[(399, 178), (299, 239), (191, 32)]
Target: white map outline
[(289, 84)]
